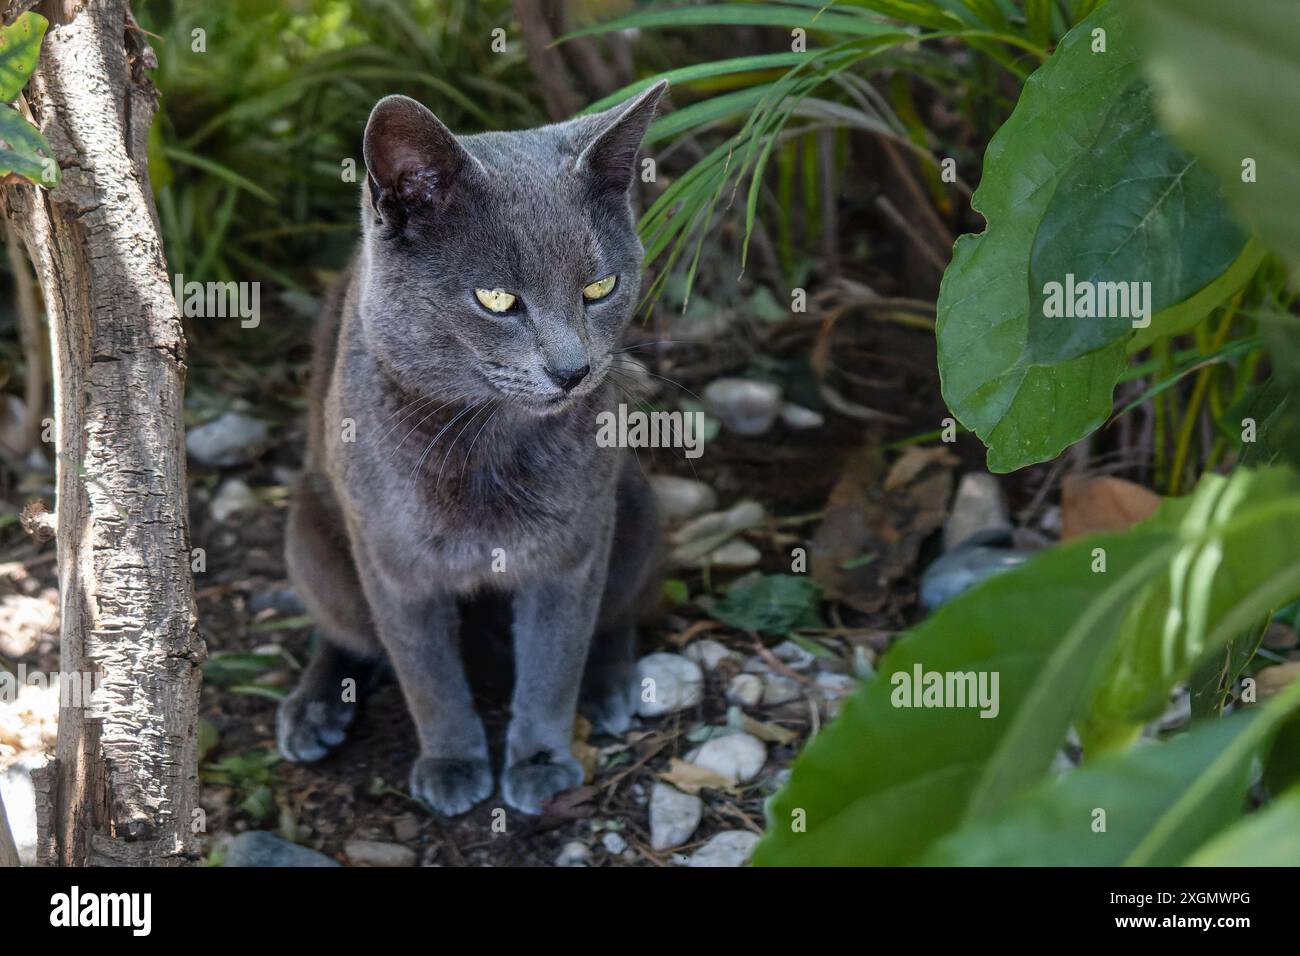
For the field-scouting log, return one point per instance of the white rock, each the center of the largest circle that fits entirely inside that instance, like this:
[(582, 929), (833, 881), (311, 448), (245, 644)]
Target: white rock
[(673, 816), (728, 848), (979, 505), (716, 526), (375, 853), (800, 418), (745, 690), (231, 439), (614, 842), (780, 690), (743, 406), (677, 683), (795, 656), (573, 854), (709, 653), (1051, 520), (681, 498), (233, 496), (738, 757), (19, 798), (735, 555), (836, 685)]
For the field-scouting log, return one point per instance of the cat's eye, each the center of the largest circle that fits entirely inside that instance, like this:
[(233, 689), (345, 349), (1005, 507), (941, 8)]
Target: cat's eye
[(599, 289), (495, 300)]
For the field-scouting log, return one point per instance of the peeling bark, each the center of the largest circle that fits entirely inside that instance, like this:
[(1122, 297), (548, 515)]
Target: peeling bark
[(123, 787)]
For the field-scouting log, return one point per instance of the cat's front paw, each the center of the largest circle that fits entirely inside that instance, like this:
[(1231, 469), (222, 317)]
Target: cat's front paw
[(451, 787), (610, 705), (530, 783), (309, 725)]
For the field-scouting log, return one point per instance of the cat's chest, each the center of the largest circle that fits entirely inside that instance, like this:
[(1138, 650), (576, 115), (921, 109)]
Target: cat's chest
[(488, 502)]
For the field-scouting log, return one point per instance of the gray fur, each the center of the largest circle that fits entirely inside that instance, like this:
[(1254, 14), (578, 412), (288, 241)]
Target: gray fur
[(465, 443)]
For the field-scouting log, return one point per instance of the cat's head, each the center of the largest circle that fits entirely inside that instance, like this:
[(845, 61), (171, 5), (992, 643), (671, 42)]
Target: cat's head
[(500, 265)]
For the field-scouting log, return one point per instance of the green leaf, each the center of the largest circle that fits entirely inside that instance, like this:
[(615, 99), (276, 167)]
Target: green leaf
[(1268, 837), (700, 71), (882, 783), (1161, 802), (186, 158), (21, 146), (1077, 181), (20, 48), (1132, 208), (239, 668), (1227, 79), (260, 690), (743, 14), (209, 737), (1022, 411), (773, 604), (1189, 313), (1235, 563)]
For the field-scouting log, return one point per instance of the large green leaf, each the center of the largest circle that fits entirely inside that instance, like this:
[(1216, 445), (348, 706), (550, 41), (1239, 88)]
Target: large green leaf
[(1269, 837), (1133, 209), (1077, 181), (20, 48), (1227, 78), (1235, 563), (1025, 412), (882, 783), (1161, 802)]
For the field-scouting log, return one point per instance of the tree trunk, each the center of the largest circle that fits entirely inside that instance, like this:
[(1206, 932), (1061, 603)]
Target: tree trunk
[(122, 789)]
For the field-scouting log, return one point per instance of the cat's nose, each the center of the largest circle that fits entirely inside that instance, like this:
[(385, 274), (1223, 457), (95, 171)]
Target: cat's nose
[(568, 379)]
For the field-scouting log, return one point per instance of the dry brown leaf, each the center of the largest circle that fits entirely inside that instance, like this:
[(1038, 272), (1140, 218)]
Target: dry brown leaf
[(772, 733), (689, 778), (683, 638), (1090, 505), (864, 520), (913, 461), (1273, 680)]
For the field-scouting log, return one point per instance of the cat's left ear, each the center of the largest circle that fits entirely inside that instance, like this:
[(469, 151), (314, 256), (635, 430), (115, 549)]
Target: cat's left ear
[(412, 160), (610, 157)]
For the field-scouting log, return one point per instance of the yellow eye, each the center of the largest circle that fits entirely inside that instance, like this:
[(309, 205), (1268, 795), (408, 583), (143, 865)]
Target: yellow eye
[(599, 289), (495, 300)]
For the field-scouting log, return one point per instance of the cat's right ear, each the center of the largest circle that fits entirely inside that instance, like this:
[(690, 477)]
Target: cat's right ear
[(412, 160)]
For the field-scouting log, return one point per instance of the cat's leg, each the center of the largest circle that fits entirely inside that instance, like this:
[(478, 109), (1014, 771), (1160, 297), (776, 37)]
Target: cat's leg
[(314, 718), (609, 688), (554, 619), (609, 684), (420, 632)]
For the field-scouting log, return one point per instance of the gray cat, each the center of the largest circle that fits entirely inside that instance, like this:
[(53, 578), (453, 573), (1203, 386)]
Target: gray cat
[(459, 370)]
